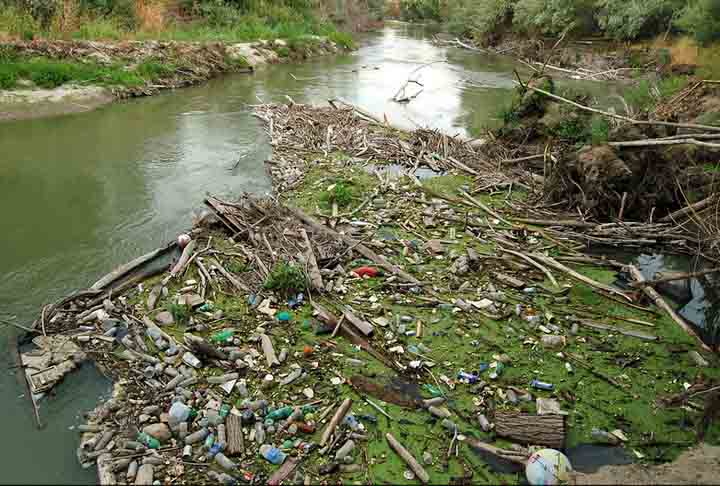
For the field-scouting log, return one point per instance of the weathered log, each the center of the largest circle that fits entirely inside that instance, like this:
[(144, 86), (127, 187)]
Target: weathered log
[(559, 266), (284, 471), (123, 270), (412, 463), (363, 326), (675, 276), (235, 439), (547, 430), (340, 413), (692, 208), (184, 259), (660, 302)]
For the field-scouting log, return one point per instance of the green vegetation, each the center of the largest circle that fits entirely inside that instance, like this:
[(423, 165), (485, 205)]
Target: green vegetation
[(286, 278), (599, 130), (49, 73), (338, 193), (619, 19), (646, 94), (214, 20), (181, 313)]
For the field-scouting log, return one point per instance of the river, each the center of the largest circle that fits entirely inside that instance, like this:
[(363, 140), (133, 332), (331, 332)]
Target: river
[(81, 194)]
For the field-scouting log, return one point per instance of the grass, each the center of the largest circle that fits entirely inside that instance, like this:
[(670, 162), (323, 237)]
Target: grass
[(645, 94), (49, 73)]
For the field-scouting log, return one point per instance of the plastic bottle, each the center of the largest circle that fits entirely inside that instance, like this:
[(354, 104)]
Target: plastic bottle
[(345, 450), (179, 412), (497, 372), (484, 423), (224, 410), (223, 336), (272, 454), (259, 432), (449, 425), (224, 462), (197, 436), (468, 377), (209, 441), (352, 422), (541, 385), (280, 413), (148, 440), (215, 449), (222, 478)]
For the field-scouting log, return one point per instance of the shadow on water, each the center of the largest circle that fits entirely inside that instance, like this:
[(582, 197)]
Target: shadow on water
[(697, 299)]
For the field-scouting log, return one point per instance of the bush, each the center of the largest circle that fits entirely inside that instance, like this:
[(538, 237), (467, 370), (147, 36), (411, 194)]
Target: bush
[(8, 77), (420, 9), (286, 278), (553, 16), (48, 74), (627, 20), (701, 18), (482, 17), (599, 130)]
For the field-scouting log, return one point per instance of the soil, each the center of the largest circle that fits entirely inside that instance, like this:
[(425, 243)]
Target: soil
[(695, 466), (41, 103)]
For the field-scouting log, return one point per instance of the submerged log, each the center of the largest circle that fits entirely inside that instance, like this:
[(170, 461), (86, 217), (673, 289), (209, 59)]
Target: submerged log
[(547, 430)]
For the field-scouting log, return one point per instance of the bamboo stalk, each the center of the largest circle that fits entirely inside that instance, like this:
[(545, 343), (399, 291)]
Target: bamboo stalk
[(412, 463), (332, 425)]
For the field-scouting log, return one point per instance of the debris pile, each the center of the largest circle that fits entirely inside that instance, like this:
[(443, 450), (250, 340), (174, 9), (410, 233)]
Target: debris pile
[(425, 332)]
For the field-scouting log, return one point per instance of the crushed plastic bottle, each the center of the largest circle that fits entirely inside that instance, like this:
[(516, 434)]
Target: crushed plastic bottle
[(272, 454), (224, 410), (280, 413), (284, 316), (223, 336), (468, 377), (179, 412), (432, 390), (149, 441)]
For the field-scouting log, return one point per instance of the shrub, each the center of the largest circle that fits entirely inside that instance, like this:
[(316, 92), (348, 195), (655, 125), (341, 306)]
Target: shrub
[(8, 77), (482, 17), (152, 69), (702, 19), (553, 16), (626, 20), (50, 74), (420, 9), (286, 278)]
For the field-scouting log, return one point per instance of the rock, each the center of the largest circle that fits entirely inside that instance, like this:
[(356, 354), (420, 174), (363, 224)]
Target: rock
[(164, 318), (280, 43), (160, 431)]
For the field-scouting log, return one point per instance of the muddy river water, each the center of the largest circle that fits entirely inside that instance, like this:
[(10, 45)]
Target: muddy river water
[(81, 194)]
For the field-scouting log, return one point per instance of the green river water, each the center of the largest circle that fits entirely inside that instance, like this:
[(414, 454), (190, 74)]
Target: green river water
[(81, 194)]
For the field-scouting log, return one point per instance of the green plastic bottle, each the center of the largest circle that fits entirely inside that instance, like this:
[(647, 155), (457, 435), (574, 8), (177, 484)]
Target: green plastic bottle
[(224, 410), (434, 391), (280, 413), (223, 336), (149, 441), (306, 409)]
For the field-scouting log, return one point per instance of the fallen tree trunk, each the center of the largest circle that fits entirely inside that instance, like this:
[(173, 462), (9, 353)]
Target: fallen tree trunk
[(547, 430)]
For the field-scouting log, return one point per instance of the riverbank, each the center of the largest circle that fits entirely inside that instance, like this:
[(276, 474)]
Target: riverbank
[(51, 77), (438, 299)]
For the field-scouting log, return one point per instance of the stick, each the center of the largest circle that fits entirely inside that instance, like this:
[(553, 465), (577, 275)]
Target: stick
[(533, 263), (603, 327), (692, 126), (482, 206), (339, 415), (660, 302), (655, 142), (337, 326), (19, 326), (689, 209), (408, 458), (559, 266), (236, 283), (315, 275), (184, 259), (678, 276)]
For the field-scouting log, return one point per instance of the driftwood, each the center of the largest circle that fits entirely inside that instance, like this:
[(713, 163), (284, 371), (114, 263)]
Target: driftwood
[(313, 269), (123, 270), (340, 413), (547, 430), (360, 248), (624, 332), (235, 282), (412, 463), (515, 457), (692, 126), (656, 142), (688, 209), (559, 266), (660, 302), (363, 326), (675, 276), (183, 260), (485, 208), (534, 264), (234, 433), (284, 471)]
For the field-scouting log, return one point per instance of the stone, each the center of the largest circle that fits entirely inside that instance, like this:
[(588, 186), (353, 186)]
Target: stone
[(160, 431)]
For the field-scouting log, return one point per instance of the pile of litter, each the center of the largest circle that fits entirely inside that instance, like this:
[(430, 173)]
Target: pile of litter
[(424, 333)]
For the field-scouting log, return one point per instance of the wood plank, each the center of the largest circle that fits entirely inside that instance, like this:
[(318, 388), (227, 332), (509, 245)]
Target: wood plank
[(531, 429), (233, 432)]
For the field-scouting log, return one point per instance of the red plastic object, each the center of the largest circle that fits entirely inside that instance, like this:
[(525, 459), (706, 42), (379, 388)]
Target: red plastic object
[(369, 271)]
